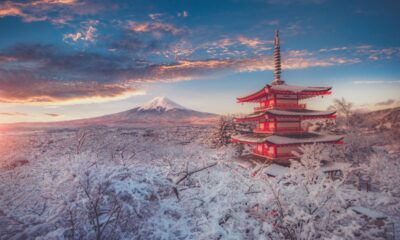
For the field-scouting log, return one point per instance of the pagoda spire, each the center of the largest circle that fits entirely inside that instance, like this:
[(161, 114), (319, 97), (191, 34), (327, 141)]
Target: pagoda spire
[(277, 61)]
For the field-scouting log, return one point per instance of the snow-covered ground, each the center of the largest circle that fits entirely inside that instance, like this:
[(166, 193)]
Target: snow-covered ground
[(133, 183)]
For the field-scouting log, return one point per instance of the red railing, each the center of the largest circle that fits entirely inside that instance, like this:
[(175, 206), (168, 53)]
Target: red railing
[(283, 130), (281, 105), (272, 156)]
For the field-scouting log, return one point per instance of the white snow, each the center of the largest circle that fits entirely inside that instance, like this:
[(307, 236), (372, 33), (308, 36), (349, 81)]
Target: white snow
[(368, 212), (139, 168), (276, 170), (161, 103), (296, 89), (315, 138), (299, 139), (300, 112), (335, 166), (250, 138), (295, 112)]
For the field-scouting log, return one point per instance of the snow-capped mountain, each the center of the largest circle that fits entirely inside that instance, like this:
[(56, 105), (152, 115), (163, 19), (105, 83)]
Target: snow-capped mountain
[(158, 111), (160, 104)]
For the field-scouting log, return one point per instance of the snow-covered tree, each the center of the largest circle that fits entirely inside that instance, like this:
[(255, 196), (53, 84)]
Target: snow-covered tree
[(222, 132), (310, 205), (344, 109)]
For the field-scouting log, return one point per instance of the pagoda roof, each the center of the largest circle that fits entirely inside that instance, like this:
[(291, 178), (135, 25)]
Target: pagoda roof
[(303, 113), (250, 138), (292, 139), (304, 91), (304, 138)]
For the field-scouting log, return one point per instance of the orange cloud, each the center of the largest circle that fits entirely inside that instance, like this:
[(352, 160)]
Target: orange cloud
[(37, 92), (253, 64), (38, 10), (88, 35), (153, 26), (250, 42), (13, 114)]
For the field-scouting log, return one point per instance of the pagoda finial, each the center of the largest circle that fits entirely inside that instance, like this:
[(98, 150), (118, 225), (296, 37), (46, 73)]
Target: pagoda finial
[(277, 61)]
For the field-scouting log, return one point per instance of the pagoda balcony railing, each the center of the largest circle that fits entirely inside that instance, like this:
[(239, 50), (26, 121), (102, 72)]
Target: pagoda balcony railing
[(281, 105), (273, 156), (281, 130)]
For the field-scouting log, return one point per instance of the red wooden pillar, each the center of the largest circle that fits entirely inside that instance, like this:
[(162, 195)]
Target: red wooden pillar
[(263, 149)]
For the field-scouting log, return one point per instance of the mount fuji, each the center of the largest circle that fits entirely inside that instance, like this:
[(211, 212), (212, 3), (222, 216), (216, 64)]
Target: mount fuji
[(158, 111)]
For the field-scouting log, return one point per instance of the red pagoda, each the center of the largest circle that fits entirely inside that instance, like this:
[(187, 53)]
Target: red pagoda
[(279, 115)]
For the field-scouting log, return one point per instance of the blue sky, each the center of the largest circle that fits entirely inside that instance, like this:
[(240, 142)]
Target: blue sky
[(69, 59)]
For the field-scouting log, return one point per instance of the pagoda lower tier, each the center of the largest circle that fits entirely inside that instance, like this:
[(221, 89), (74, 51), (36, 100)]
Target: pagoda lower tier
[(281, 147)]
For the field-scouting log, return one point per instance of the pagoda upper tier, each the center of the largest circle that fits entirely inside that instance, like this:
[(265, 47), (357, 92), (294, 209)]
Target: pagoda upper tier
[(300, 114), (301, 92)]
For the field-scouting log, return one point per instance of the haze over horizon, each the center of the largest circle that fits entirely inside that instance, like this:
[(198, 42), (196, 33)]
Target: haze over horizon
[(72, 59)]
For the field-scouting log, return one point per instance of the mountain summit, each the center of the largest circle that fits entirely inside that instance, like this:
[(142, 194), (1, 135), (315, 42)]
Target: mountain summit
[(160, 104)]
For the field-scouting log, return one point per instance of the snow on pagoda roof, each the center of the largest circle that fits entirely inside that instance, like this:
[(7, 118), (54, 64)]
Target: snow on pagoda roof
[(368, 212), (282, 88), (254, 116), (261, 92), (276, 170), (292, 139), (287, 112), (300, 112), (298, 89), (302, 138), (249, 138)]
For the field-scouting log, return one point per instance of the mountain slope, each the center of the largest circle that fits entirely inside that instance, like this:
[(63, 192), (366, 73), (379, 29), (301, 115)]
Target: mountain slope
[(383, 119), (160, 110)]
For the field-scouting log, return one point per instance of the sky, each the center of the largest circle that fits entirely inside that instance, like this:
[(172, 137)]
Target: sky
[(72, 59)]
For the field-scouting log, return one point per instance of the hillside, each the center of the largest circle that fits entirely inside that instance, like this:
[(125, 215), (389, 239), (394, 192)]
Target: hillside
[(159, 110)]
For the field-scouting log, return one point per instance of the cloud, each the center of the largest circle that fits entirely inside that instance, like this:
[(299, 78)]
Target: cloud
[(55, 11), (155, 16), (386, 103), (73, 36), (88, 35), (378, 82), (366, 51), (55, 115), (13, 114), (188, 70), (250, 42), (22, 88), (183, 14), (153, 27), (45, 74)]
